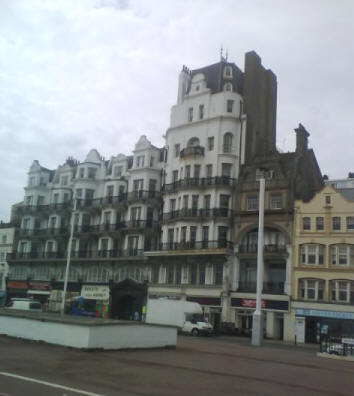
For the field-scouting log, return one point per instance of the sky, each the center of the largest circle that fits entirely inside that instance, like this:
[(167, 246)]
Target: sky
[(76, 75)]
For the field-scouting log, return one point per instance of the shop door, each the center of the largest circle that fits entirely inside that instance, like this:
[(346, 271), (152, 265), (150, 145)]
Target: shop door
[(311, 330)]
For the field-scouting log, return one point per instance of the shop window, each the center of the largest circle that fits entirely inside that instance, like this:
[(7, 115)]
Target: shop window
[(312, 254)]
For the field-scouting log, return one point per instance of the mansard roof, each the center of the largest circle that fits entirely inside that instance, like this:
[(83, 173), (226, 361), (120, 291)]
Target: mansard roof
[(215, 77)]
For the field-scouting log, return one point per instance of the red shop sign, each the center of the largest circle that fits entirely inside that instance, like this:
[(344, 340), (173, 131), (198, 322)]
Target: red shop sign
[(17, 284), (39, 286), (251, 303)]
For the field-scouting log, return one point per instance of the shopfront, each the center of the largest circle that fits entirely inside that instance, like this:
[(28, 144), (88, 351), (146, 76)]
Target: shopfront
[(275, 313), (17, 289), (98, 298), (319, 323), (39, 291), (211, 308)]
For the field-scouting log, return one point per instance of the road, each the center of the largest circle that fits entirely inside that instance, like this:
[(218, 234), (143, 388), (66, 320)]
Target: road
[(204, 366)]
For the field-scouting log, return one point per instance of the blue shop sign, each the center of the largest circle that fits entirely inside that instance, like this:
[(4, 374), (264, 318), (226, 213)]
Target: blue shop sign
[(324, 314)]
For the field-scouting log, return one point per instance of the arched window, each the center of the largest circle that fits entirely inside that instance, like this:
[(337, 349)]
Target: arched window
[(311, 289), (193, 142), (312, 254), (342, 254), (341, 290), (227, 143)]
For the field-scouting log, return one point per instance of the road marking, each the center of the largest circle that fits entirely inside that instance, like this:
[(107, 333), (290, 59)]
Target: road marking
[(82, 392)]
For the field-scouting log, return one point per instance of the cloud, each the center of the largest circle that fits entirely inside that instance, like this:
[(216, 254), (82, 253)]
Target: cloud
[(99, 73)]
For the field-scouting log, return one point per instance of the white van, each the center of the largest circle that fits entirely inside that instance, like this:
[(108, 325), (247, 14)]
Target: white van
[(24, 304), (186, 316)]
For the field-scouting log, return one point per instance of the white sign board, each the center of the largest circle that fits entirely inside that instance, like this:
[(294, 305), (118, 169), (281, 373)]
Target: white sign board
[(95, 292)]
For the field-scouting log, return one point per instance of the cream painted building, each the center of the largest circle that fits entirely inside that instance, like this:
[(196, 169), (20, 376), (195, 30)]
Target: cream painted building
[(323, 267)]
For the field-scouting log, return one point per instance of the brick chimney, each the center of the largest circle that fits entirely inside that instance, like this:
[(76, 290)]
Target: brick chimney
[(301, 139)]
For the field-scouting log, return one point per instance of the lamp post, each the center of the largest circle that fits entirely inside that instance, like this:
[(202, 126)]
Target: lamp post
[(257, 323), (68, 257)]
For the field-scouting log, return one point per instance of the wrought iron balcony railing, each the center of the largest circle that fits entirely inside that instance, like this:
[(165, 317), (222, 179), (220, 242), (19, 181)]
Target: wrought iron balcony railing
[(194, 245), (192, 151), (200, 182), (198, 213)]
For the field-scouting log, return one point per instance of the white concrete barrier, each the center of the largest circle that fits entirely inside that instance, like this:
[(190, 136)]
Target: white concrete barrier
[(86, 333)]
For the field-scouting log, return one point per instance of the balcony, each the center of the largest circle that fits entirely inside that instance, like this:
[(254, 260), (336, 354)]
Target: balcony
[(117, 227), (44, 209), (268, 287), (108, 254), (80, 254), (42, 232), (35, 255), (198, 214), (194, 245), (202, 182), (192, 152), (268, 249)]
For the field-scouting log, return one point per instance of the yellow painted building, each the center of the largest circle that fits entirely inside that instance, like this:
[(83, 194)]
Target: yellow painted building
[(323, 267)]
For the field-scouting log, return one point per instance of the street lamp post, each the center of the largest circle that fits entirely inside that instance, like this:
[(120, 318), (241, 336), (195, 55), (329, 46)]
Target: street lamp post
[(68, 257), (257, 323)]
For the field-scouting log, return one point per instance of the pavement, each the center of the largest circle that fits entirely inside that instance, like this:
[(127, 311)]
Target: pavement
[(202, 366)]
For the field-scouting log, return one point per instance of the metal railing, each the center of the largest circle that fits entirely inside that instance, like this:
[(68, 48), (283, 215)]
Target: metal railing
[(194, 245), (199, 181), (190, 151), (268, 287), (43, 231), (198, 213), (76, 254), (342, 346)]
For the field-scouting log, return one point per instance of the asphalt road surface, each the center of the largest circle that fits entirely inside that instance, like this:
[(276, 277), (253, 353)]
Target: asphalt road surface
[(198, 366)]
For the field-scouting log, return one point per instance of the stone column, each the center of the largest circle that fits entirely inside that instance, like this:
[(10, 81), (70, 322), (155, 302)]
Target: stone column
[(287, 286)]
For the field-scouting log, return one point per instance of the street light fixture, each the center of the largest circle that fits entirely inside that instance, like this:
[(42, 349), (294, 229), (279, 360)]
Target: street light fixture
[(62, 311), (257, 322)]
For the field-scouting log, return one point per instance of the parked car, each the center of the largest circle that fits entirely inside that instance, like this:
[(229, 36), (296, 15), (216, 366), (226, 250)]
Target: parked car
[(24, 304)]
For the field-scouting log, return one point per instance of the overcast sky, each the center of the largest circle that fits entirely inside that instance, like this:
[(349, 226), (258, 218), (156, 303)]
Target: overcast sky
[(82, 74)]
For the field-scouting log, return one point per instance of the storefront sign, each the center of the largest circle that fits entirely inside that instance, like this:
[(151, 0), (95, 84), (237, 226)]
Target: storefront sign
[(246, 303), (95, 292), (44, 286), (276, 305), (205, 300), (348, 341), (324, 314), (17, 285)]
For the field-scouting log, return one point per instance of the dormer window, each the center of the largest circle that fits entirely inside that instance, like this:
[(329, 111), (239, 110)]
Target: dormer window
[(228, 71), (81, 173), (32, 181), (228, 87), (140, 161), (118, 170), (64, 180)]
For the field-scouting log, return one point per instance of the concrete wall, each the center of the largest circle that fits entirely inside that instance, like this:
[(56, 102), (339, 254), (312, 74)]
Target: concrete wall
[(108, 335)]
